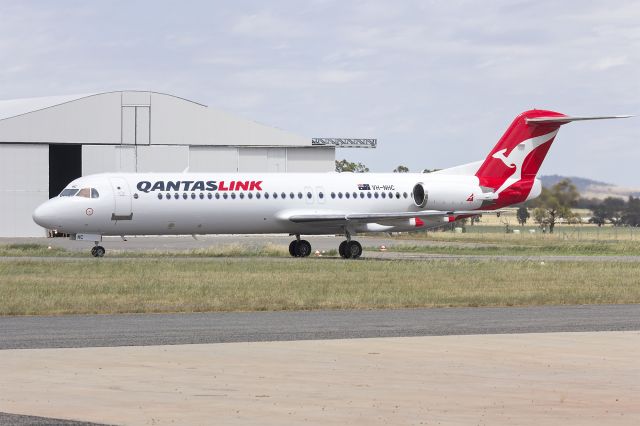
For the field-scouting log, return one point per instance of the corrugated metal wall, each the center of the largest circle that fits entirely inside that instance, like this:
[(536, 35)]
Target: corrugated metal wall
[(24, 177)]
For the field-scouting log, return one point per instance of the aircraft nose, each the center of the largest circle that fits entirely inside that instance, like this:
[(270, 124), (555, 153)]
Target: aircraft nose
[(43, 215)]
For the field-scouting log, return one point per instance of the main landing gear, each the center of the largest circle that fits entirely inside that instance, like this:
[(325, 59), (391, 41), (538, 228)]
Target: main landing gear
[(299, 248), (348, 249), (97, 251)]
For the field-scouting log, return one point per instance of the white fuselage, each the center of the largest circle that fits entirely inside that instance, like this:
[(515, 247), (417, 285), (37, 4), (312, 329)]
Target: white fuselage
[(205, 203)]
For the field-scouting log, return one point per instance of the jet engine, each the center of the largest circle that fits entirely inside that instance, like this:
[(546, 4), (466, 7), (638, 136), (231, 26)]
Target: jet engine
[(420, 195)]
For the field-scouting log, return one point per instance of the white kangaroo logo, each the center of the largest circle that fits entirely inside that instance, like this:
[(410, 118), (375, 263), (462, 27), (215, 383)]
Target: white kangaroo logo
[(517, 156)]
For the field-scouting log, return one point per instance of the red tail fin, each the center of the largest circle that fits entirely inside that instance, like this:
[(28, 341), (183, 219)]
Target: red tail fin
[(519, 153), (511, 166)]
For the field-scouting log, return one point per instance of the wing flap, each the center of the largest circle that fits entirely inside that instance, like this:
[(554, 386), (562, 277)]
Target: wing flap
[(373, 217)]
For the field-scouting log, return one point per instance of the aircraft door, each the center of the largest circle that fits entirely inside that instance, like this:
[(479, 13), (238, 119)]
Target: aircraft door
[(122, 199)]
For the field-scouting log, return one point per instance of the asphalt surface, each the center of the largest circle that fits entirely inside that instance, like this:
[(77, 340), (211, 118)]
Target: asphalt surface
[(20, 420), (75, 331)]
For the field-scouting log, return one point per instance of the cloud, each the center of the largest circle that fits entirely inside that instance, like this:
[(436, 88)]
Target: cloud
[(265, 24)]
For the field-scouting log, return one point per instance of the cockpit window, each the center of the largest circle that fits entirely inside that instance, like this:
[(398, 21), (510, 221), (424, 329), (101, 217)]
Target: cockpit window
[(84, 192), (94, 193), (68, 192)]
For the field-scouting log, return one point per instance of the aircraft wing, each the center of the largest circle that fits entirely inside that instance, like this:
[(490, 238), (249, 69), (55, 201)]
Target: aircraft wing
[(379, 217)]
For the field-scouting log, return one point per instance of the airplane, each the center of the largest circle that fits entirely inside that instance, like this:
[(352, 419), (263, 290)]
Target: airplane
[(298, 204)]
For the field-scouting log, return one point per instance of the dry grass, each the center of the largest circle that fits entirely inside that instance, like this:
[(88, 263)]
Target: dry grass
[(196, 285)]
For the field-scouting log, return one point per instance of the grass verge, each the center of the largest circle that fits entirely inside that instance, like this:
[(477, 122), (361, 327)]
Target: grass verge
[(39, 287), (506, 249)]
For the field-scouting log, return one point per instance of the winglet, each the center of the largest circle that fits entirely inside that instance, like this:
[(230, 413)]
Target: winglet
[(565, 120)]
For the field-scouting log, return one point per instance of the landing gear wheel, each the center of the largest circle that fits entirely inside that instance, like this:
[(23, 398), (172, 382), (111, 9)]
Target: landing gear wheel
[(303, 248), (342, 249), (97, 251), (354, 249), (292, 248)]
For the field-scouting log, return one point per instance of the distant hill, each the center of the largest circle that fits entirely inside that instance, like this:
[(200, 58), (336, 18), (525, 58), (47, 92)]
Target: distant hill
[(589, 188)]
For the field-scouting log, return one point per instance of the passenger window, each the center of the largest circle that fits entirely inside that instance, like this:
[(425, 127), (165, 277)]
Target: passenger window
[(94, 193), (308, 195), (405, 195), (250, 195), (202, 196), (362, 195), (397, 195), (233, 195), (368, 195), (84, 192), (242, 195), (217, 195), (300, 195), (266, 195), (193, 195), (176, 196), (375, 195), (257, 195), (321, 195), (159, 196), (291, 195), (168, 196), (225, 195), (184, 195), (283, 195), (346, 194), (209, 196), (333, 195), (355, 195), (339, 194), (69, 192), (383, 195)]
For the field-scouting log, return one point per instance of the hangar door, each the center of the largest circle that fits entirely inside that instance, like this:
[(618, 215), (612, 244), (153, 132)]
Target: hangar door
[(136, 121)]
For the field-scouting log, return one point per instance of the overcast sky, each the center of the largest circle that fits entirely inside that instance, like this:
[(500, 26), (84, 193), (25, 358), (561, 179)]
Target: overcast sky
[(437, 82)]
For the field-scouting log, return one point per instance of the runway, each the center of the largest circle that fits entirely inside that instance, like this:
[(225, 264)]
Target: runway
[(78, 331)]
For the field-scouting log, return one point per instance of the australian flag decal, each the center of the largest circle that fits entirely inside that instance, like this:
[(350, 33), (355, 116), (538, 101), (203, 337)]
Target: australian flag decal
[(364, 187)]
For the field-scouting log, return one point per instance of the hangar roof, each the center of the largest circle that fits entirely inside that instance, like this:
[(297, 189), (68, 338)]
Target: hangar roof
[(132, 118)]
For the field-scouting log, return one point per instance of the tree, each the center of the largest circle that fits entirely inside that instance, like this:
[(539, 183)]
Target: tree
[(347, 166), (555, 204), (523, 215), (631, 215), (401, 169), (611, 209)]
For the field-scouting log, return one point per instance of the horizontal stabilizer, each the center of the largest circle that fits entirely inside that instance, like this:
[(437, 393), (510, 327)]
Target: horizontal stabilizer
[(564, 120)]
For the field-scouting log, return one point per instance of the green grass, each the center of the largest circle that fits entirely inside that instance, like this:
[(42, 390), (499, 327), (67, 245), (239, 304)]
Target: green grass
[(559, 248), (36, 287), (230, 250)]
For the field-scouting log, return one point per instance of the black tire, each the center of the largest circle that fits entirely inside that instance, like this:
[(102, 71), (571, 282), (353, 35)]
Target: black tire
[(354, 250), (342, 249), (303, 248), (99, 251), (93, 251), (292, 248)]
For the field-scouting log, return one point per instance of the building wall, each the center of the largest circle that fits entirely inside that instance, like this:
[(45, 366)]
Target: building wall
[(176, 158), (24, 184)]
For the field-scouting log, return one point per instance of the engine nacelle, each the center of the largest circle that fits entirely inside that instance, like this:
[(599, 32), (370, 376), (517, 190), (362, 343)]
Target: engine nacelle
[(420, 195)]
